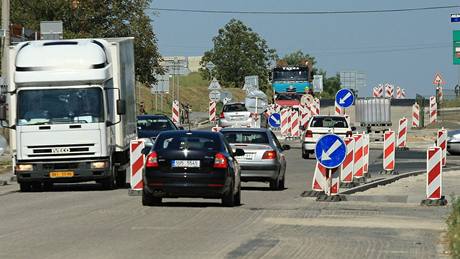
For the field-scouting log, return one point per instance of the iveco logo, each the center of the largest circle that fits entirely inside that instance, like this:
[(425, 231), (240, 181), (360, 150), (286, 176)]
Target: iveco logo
[(58, 150)]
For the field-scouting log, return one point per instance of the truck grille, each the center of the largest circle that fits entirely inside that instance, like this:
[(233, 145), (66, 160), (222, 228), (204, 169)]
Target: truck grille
[(61, 150)]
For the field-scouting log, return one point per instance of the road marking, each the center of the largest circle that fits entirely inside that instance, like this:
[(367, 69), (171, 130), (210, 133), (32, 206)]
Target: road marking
[(342, 100), (387, 222), (327, 155)]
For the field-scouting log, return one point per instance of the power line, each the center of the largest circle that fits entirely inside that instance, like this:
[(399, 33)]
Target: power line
[(306, 12)]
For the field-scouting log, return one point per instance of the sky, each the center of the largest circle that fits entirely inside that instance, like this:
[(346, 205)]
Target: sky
[(406, 49)]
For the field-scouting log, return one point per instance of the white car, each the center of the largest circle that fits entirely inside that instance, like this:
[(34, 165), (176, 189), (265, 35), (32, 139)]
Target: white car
[(321, 125)]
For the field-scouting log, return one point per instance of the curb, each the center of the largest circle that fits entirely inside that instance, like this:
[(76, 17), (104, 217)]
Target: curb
[(386, 181)]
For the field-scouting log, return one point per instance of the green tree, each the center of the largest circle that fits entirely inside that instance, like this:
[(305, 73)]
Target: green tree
[(98, 19), (298, 57), (238, 52)]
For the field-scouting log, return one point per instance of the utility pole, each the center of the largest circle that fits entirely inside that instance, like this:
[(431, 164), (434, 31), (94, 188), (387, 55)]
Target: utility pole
[(6, 39)]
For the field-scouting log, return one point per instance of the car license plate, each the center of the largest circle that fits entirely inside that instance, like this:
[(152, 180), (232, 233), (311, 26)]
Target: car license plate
[(185, 163), (247, 156), (61, 174)]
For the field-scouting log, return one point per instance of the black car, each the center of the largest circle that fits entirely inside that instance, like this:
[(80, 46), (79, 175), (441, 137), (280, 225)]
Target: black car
[(149, 126), (191, 164)]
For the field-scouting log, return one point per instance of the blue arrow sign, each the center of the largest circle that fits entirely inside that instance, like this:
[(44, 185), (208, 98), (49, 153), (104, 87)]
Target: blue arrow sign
[(274, 120), (344, 98), (455, 18), (330, 151)]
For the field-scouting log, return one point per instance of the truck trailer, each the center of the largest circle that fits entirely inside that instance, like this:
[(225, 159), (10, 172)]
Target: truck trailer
[(71, 111)]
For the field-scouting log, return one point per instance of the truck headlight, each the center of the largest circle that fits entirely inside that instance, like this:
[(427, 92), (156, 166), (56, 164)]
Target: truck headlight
[(99, 165), (24, 167)]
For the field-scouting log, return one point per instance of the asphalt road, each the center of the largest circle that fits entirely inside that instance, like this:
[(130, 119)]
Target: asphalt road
[(82, 221)]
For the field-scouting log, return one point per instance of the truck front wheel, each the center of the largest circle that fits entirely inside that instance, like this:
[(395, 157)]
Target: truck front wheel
[(109, 183)]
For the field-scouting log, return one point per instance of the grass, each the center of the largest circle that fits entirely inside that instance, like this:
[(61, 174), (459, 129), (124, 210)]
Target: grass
[(453, 225), (193, 90)]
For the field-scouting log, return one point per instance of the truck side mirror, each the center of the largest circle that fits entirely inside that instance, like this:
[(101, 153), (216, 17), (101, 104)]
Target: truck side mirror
[(2, 113), (121, 107)]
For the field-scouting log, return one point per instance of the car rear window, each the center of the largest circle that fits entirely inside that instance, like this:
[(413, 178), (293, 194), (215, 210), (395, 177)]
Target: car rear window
[(157, 124), (235, 107), (246, 137), (190, 142), (329, 122)]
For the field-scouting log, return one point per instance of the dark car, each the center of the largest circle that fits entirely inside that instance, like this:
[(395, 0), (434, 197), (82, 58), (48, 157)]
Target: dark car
[(149, 126), (191, 164)]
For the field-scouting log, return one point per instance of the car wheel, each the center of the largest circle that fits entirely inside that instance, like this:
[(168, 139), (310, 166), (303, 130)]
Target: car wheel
[(305, 155), (120, 178), (275, 184), (150, 200), (238, 196), (25, 187), (229, 198), (281, 184)]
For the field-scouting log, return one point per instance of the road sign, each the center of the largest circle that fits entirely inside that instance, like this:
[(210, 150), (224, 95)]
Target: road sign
[(318, 83), (210, 66), (353, 80), (214, 95), (226, 95), (438, 79), (252, 80), (455, 17), (330, 151), (306, 99), (344, 98), (456, 47), (274, 120), (214, 85)]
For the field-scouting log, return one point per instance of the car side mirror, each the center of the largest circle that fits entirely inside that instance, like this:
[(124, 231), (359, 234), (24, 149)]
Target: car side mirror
[(2, 113), (353, 128), (286, 147), (238, 152), (121, 107)]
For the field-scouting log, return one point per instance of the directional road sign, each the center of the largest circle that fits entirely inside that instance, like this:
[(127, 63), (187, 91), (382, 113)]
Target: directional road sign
[(455, 17), (330, 151), (274, 120), (344, 98), (214, 85), (214, 95)]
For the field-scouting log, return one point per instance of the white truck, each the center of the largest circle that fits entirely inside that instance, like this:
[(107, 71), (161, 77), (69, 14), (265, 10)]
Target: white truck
[(71, 107)]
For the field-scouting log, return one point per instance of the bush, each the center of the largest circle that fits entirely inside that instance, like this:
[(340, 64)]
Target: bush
[(453, 225)]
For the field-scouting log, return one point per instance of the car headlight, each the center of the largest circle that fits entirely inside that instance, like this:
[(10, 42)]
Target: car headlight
[(24, 167), (99, 165)]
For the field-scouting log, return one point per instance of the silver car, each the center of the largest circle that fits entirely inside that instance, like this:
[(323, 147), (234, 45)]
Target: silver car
[(264, 160), (235, 115), (453, 142)]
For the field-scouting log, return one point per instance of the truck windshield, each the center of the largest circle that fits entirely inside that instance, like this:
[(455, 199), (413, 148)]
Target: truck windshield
[(290, 75), (59, 106)]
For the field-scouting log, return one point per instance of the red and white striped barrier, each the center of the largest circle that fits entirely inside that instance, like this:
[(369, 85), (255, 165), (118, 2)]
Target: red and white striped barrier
[(402, 133), (434, 173), (316, 107), (335, 182), (398, 92), (415, 116), (339, 110), (433, 110), (304, 115), (347, 165), (295, 124), (366, 140), (319, 178), (136, 160), (389, 149), (175, 112), (389, 91), (377, 92), (403, 93), (212, 111), (441, 141), (285, 123), (358, 166)]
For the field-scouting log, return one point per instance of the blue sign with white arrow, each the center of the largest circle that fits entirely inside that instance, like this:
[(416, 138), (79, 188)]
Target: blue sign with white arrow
[(274, 120), (330, 151), (344, 98)]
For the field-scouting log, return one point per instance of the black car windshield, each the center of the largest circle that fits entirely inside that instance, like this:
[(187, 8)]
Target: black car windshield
[(329, 122), (155, 124), (235, 107), (169, 142), (290, 75), (246, 137), (58, 106)]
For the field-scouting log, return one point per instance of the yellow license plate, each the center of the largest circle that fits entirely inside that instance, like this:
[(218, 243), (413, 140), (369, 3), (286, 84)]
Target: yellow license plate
[(61, 174)]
